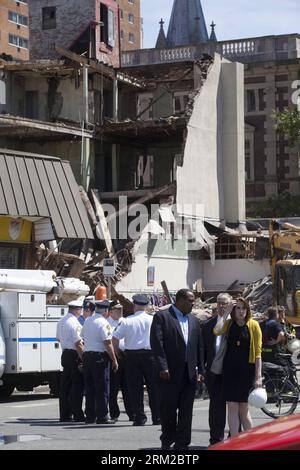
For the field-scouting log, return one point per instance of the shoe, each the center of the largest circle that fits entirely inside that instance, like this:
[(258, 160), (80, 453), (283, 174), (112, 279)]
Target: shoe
[(156, 422), (114, 419), (89, 421), (65, 420), (141, 422), (105, 421), (79, 420)]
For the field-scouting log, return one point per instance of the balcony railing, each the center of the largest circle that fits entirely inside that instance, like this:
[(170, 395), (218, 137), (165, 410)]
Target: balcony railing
[(246, 50)]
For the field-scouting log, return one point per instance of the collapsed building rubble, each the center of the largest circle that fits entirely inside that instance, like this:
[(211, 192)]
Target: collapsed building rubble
[(260, 296)]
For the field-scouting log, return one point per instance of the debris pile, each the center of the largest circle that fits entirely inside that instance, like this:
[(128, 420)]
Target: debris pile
[(260, 296)]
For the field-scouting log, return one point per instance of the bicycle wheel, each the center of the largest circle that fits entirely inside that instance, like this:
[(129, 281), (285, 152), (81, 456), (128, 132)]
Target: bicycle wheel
[(282, 397)]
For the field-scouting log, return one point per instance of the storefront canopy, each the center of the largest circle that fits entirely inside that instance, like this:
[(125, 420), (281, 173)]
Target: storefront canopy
[(41, 186)]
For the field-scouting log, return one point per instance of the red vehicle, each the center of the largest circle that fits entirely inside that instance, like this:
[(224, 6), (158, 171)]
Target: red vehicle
[(282, 434)]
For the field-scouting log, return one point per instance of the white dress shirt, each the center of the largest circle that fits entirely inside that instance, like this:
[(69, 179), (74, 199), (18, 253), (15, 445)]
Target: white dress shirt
[(95, 331), (68, 331), (135, 330)]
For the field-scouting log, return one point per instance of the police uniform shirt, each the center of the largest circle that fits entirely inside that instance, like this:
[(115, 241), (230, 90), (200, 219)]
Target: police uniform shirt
[(68, 331), (114, 323), (135, 330), (95, 331)]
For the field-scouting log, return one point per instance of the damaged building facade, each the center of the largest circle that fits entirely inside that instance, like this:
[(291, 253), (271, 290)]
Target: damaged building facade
[(272, 73), (168, 136)]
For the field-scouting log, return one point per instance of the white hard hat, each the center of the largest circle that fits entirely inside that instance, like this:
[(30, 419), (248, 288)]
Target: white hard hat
[(296, 357), (293, 345), (258, 398)]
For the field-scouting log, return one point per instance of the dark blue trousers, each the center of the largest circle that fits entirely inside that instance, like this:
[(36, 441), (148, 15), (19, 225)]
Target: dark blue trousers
[(176, 411), (96, 369)]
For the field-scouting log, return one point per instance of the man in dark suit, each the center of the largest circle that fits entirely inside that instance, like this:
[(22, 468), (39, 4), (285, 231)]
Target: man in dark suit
[(217, 405), (176, 344)]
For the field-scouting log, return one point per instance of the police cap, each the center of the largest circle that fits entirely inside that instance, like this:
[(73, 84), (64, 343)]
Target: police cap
[(102, 304), (140, 299), (75, 304)]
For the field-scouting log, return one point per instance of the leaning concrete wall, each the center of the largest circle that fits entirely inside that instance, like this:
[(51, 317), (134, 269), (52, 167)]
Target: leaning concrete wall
[(198, 179), (213, 171), (233, 141)]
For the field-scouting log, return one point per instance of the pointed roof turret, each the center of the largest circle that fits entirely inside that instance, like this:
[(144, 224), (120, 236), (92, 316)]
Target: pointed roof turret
[(187, 24), (161, 42), (213, 37)]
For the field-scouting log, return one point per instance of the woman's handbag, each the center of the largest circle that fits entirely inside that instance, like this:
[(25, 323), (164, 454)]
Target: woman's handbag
[(217, 364)]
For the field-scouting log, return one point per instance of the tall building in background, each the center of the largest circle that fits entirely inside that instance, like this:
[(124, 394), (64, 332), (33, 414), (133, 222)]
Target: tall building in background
[(130, 24), (14, 22)]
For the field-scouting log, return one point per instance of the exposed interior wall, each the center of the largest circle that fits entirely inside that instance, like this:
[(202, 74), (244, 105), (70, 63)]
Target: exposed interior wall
[(226, 272), (65, 150), (163, 163), (171, 265)]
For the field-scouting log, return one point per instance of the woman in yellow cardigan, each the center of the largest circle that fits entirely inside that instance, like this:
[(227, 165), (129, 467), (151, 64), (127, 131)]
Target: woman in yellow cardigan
[(242, 362)]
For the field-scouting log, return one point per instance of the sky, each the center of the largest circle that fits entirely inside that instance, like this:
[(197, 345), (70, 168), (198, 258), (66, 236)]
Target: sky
[(234, 18)]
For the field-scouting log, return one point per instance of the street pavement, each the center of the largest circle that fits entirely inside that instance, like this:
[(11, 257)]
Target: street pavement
[(30, 421)]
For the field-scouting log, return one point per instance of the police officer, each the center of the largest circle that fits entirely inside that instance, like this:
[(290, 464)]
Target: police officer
[(88, 309), (118, 379), (98, 351), (71, 386), (139, 363)]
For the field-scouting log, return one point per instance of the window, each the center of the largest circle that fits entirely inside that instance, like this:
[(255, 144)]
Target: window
[(131, 18), (131, 1), (18, 41), (251, 103), (121, 14), (16, 18), (145, 110), (145, 172), (177, 161), (122, 34), (131, 38), (49, 18), (180, 101), (107, 16), (255, 100)]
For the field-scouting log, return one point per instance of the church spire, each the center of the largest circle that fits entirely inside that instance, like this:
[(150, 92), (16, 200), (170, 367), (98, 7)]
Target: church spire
[(187, 24), (213, 37), (161, 42)]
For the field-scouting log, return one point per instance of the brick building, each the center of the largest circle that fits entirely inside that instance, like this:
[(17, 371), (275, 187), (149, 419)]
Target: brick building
[(130, 24), (89, 28), (14, 29)]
